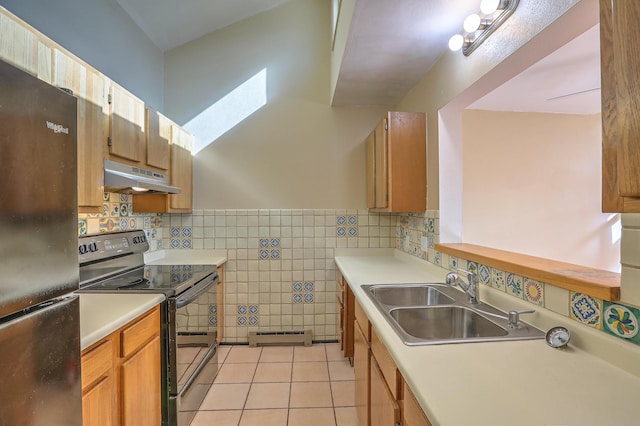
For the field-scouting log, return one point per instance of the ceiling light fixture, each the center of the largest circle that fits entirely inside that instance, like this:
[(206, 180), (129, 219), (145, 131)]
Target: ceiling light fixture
[(478, 27)]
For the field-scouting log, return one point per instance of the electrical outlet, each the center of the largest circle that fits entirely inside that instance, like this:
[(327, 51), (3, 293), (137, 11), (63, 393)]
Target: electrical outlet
[(423, 243)]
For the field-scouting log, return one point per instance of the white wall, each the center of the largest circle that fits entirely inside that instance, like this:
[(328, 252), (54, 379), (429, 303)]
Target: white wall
[(294, 152), (532, 184), (103, 35)]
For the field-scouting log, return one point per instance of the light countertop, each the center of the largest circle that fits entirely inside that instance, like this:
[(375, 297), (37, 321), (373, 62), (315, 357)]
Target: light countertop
[(103, 313), (501, 383), (186, 257)]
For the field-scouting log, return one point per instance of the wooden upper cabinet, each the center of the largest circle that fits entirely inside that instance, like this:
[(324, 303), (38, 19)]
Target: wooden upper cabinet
[(24, 47), (89, 87), (180, 175), (158, 129), (397, 167), (181, 169), (126, 126), (371, 170), (620, 88)]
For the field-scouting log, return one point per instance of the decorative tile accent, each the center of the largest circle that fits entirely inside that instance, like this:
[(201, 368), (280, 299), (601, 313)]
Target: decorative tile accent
[(514, 284), (438, 258), (213, 315), (534, 291), (175, 232), (247, 315), (621, 321), (124, 209), (82, 227), (484, 273), (269, 248), (347, 226), (586, 309), (124, 224), (453, 263), (472, 267), (497, 279), (108, 225), (303, 292)]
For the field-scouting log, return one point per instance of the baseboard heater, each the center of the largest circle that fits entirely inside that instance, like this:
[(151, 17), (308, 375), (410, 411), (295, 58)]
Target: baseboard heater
[(275, 338)]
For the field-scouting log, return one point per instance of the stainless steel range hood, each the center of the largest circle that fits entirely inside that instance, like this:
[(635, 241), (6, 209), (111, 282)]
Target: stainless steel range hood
[(120, 177)]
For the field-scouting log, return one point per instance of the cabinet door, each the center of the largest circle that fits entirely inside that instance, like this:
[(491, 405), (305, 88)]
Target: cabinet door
[(158, 138), (385, 410), (181, 169), (348, 320), (126, 125), (361, 367), (412, 413), (23, 47), (371, 170), (97, 409), (620, 67), (140, 392), (89, 88), (381, 166)]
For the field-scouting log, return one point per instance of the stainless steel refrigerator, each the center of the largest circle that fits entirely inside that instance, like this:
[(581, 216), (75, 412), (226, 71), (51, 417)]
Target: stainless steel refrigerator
[(39, 315)]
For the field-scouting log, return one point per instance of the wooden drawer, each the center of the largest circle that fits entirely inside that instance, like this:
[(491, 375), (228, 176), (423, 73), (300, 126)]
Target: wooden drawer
[(136, 335), (413, 414), (97, 363), (387, 365), (363, 322), (385, 410)]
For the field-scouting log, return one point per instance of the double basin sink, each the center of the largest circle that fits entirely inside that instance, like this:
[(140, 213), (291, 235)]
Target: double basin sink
[(432, 314)]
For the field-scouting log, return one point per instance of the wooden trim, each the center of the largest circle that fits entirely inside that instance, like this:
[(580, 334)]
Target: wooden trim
[(593, 282)]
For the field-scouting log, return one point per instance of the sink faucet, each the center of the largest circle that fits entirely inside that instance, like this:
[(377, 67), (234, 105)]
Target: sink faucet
[(471, 289)]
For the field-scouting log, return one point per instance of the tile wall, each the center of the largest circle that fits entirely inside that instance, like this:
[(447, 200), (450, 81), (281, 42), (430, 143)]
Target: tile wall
[(280, 273), (618, 319)]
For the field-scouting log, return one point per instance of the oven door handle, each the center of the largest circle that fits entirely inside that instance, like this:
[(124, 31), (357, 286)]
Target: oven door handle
[(196, 291)]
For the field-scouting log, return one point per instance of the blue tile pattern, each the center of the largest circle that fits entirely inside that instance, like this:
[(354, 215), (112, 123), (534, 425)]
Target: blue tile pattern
[(248, 315), (269, 249), (347, 226), (485, 274), (303, 292)]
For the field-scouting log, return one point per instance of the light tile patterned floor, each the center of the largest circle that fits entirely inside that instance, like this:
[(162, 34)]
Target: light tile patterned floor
[(280, 386)]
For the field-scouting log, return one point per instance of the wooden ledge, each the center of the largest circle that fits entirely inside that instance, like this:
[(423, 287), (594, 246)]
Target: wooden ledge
[(594, 282)]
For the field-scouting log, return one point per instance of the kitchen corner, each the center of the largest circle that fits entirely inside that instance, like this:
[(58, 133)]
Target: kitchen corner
[(499, 383)]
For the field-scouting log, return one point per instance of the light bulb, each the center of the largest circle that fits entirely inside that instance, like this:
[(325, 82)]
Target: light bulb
[(488, 7), (456, 42), (472, 23), (138, 189)]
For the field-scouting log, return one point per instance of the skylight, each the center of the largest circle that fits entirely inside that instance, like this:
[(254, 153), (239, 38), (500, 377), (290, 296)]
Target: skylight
[(229, 111)]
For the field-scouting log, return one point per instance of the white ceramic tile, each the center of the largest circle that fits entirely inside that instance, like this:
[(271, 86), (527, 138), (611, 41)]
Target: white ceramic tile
[(630, 285), (630, 247), (556, 299)]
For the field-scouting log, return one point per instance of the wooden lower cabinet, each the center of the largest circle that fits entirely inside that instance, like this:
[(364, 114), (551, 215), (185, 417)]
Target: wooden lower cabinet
[(412, 414), (385, 410), (121, 375), (98, 384), (361, 365), (140, 387)]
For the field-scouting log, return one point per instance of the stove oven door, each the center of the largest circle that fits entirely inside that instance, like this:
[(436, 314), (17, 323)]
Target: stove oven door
[(194, 349)]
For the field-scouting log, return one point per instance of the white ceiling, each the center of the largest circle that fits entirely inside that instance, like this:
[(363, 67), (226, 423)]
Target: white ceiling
[(567, 81), (171, 23), (391, 46)]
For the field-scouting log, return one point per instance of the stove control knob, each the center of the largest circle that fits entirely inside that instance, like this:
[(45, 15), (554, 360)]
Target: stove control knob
[(93, 247), (82, 249)]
